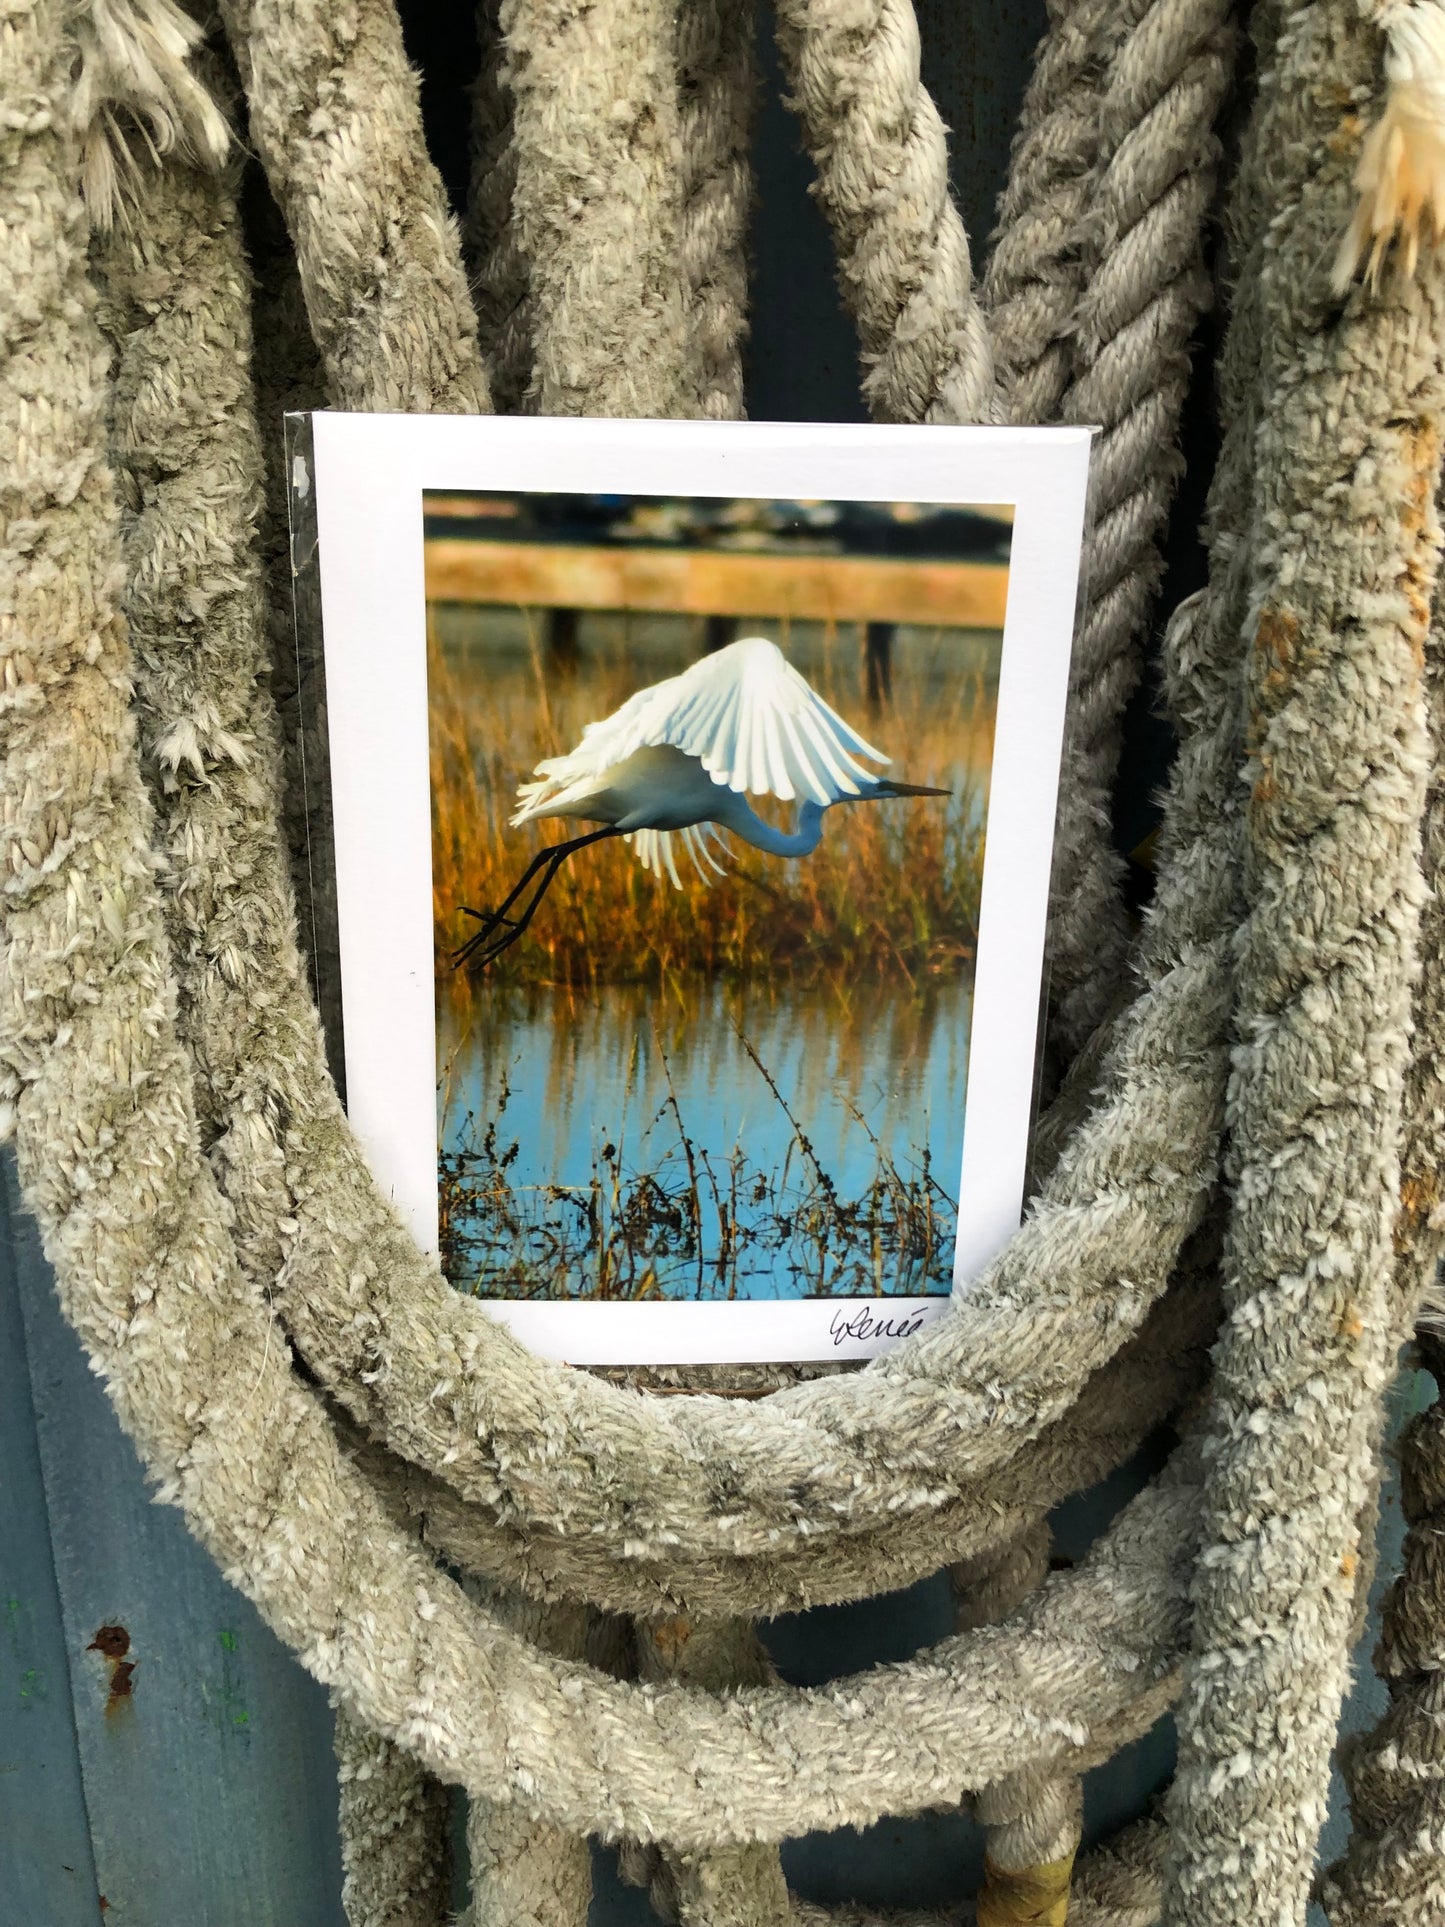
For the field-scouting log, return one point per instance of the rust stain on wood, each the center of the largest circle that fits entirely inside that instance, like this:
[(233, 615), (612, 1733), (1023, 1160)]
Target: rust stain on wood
[(670, 1636), (113, 1644)]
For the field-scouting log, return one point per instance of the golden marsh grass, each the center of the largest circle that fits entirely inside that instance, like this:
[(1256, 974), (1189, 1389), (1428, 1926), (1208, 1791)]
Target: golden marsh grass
[(891, 895)]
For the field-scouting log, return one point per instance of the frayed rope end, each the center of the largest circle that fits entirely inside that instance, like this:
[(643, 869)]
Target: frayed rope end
[(1430, 1318), (1401, 171), (134, 89)]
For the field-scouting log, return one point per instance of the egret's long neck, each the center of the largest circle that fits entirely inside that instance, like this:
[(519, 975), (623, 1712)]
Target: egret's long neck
[(746, 822)]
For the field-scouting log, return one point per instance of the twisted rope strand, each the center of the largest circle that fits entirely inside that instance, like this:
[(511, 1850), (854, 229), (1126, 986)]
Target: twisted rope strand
[(740, 1886), (335, 118), (1036, 271), (596, 136), (1395, 1864), (1030, 1819), (717, 88), (1146, 287), (526, 1873), (878, 144), (501, 285), (392, 1822), (1093, 289), (1394, 1869)]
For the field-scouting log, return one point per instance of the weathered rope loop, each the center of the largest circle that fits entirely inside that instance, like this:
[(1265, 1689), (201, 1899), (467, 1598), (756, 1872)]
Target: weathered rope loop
[(301, 1109), (261, 1212), (136, 1280)]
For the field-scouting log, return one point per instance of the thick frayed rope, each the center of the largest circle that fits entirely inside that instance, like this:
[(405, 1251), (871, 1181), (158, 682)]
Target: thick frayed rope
[(1395, 1867), (1350, 426), (882, 160), (702, 1873), (501, 289), (717, 85), (134, 1225), (392, 1821), (595, 204), (331, 1139), (1143, 236), (1036, 270), (334, 115)]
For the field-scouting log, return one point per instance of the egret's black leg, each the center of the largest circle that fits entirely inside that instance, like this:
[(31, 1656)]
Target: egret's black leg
[(499, 931), (490, 918)]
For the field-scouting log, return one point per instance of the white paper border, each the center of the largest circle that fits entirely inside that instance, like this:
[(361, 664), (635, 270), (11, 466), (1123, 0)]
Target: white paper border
[(370, 474)]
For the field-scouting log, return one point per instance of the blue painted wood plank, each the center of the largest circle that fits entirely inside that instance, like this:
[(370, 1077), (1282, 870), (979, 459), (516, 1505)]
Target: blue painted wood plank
[(47, 1876), (205, 1750)]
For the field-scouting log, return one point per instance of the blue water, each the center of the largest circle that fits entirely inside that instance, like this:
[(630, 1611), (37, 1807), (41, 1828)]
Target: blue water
[(605, 1085)]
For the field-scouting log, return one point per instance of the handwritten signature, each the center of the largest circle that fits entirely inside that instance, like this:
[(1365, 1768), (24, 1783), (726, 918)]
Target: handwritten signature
[(864, 1324)]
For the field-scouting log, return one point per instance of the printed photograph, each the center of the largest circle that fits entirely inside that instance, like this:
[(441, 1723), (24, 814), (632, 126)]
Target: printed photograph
[(709, 798)]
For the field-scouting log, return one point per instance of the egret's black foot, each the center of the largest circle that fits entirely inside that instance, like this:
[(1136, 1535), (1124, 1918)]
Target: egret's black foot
[(496, 934), (498, 931)]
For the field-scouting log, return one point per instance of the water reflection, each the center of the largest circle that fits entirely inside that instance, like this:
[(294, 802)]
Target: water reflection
[(802, 1141)]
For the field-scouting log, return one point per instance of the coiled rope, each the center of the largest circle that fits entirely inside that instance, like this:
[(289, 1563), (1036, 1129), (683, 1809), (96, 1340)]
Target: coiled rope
[(209, 1217)]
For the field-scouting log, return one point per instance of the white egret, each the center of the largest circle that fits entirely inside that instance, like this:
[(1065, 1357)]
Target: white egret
[(678, 759)]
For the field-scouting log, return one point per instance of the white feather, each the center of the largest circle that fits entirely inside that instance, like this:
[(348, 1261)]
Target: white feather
[(727, 710), (654, 851)]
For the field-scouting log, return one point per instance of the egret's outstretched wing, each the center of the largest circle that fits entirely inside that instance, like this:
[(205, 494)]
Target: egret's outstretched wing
[(562, 777), (754, 724), (744, 712)]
